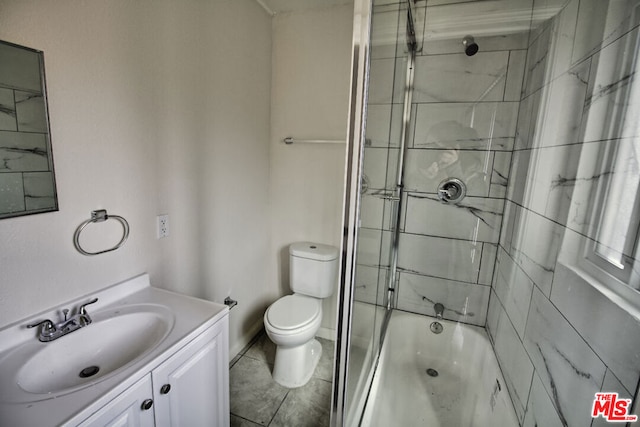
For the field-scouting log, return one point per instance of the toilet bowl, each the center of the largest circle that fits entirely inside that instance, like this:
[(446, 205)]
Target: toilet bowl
[(292, 329), (293, 320)]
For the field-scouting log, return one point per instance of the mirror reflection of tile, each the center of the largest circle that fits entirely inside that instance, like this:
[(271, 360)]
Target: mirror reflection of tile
[(27, 182)]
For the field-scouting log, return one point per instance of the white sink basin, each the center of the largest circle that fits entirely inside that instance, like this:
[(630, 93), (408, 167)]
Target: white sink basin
[(115, 339)]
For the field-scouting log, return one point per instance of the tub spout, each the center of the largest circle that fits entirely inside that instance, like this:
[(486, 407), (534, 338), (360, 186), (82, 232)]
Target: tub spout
[(439, 308)]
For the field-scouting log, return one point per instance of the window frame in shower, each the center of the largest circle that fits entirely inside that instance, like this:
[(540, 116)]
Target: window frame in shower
[(620, 274)]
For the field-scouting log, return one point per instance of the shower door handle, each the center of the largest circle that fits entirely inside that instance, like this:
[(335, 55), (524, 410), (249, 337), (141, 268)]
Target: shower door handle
[(393, 218), (394, 198), (394, 214)]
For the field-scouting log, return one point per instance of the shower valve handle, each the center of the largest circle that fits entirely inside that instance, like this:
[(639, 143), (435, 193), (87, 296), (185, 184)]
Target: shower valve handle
[(451, 190)]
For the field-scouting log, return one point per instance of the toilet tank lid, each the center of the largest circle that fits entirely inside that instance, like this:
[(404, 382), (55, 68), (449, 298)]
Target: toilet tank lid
[(315, 251)]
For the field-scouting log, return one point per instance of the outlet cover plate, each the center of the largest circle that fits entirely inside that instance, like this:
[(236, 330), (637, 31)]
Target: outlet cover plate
[(163, 226)]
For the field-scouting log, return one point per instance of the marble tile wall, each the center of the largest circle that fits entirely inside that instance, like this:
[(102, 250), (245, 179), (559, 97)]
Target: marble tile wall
[(559, 335), (26, 181), (463, 125)]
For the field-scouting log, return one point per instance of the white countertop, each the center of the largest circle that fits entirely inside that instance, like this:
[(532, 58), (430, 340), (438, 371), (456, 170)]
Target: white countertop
[(192, 317)]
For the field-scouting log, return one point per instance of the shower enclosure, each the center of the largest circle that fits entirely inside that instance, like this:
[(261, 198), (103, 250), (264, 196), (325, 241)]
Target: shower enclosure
[(493, 172)]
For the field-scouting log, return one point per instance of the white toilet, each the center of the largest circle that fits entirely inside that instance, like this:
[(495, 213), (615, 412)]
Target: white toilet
[(292, 321)]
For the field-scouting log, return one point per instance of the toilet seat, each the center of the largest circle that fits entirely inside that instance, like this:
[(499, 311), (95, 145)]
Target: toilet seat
[(293, 312)]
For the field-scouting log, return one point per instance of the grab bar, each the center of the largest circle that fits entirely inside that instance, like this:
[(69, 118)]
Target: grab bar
[(290, 140), (100, 215)]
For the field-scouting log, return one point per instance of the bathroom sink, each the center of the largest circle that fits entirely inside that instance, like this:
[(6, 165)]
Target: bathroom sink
[(115, 339)]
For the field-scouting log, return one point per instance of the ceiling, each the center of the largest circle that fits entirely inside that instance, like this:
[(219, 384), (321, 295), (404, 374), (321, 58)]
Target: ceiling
[(449, 19), (280, 6)]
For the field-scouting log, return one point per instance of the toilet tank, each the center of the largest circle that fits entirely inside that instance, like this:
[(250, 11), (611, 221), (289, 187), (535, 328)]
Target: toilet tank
[(313, 269)]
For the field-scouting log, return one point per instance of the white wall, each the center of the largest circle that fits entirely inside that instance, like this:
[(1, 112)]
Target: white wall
[(155, 107), (165, 107), (309, 100), (217, 191)]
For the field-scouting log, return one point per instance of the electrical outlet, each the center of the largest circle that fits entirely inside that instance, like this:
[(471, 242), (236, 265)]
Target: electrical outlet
[(163, 226)]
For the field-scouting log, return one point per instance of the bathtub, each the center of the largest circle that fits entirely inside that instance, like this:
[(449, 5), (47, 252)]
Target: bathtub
[(451, 379)]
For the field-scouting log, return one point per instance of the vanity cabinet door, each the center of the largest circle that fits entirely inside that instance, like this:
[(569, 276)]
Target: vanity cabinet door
[(192, 387), (132, 408)]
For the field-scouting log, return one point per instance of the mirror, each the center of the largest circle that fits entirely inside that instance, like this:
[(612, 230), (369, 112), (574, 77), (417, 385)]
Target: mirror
[(27, 181)]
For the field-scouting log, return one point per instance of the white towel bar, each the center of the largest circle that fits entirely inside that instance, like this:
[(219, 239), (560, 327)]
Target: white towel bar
[(290, 140)]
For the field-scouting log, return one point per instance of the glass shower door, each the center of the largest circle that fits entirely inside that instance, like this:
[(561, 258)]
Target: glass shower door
[(379, 198)]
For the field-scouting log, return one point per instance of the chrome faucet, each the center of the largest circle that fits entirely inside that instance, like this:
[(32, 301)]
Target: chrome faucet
[(439, 308), (50, 331)]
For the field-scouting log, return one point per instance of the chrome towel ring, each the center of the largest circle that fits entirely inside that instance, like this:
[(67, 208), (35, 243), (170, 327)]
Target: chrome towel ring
[(100, 216)]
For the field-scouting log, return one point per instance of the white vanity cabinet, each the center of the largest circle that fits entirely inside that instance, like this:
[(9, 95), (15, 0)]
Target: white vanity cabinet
[(126, 409), (189, 388)]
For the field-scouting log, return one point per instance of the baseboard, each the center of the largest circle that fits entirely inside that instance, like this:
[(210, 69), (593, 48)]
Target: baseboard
[(327, 334), (243, 344)]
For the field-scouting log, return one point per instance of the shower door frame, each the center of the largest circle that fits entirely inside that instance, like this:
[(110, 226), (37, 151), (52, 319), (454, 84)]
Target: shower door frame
[(399, 184), (351, 208), (360, 66)]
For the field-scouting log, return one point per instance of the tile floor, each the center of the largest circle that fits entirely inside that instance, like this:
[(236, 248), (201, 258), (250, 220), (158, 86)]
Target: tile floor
[(257, 400)]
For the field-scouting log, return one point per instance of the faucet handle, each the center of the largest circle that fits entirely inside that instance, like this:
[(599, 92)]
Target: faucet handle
[(48, 328), (82, 309)]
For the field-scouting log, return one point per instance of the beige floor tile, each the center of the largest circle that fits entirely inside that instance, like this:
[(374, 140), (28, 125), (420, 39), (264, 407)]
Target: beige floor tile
[(241, 422), (253, 393), (307, 406)]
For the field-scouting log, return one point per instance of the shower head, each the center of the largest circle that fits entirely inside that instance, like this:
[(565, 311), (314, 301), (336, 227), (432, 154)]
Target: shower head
[(470, 46)]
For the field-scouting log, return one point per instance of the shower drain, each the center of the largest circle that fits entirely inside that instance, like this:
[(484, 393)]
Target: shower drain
[(436, 327), (432, 372)]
